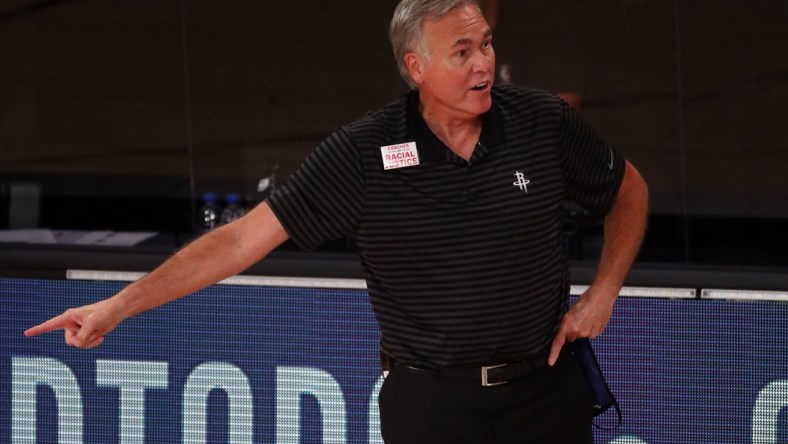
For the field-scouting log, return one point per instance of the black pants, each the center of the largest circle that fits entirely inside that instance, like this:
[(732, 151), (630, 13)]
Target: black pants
[(550, 405)]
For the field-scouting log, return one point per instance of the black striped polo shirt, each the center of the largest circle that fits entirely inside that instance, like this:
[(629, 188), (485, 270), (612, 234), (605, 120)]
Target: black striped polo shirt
[(463, 259)]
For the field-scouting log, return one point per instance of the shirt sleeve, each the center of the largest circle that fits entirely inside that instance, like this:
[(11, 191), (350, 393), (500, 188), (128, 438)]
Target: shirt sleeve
[(592, 169), (323, 198)]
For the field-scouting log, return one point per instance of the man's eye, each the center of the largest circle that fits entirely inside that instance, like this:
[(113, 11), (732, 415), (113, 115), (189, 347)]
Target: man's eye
[(462, 53)]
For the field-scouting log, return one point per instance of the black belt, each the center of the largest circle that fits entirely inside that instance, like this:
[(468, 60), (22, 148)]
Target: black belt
[(486, 375)]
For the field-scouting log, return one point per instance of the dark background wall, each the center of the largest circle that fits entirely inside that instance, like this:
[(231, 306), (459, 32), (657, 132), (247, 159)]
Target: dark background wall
[(150, 103)]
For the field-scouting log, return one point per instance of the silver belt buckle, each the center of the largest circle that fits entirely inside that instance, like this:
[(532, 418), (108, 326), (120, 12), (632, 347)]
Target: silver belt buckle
[(485, 382)]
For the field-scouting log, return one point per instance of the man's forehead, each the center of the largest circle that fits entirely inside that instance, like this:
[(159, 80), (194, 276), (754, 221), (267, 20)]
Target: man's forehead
[(466, 40)]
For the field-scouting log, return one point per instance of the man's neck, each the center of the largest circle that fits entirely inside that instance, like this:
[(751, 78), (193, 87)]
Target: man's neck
[(459, 134)]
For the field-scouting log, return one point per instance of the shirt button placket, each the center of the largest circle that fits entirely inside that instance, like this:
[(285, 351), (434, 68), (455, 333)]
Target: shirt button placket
[(470, 190)]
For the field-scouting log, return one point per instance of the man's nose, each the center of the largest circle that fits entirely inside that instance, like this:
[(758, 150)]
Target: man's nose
[(482, 62)]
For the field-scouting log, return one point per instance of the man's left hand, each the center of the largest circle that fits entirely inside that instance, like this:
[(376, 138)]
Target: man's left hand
[(586, 318)]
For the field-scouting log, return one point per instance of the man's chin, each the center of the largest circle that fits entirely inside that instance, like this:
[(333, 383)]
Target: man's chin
[(482, 103)]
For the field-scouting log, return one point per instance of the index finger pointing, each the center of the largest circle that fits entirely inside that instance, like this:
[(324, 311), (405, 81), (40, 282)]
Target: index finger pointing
[(56, 323), (555, 349)]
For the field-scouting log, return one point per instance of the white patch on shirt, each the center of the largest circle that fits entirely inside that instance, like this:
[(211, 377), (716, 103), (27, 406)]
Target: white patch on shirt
[(399, 156)]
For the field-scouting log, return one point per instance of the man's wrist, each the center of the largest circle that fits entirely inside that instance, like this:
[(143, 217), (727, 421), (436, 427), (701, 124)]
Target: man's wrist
[(604, 289), (123, 305)]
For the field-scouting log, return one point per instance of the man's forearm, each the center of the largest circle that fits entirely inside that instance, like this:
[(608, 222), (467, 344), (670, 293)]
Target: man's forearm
[(625, 226), (224, 252)]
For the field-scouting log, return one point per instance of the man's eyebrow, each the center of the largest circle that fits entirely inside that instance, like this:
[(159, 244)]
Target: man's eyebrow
[(467, 40), (462, 42)]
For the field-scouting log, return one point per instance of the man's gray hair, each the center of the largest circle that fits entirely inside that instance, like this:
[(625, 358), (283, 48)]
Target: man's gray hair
[(407, 24)]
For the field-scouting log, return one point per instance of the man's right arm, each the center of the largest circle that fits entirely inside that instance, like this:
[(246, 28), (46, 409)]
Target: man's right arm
[(221, 253)]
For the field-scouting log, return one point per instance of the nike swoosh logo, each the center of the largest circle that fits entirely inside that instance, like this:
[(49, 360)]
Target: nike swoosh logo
[(610, 164)]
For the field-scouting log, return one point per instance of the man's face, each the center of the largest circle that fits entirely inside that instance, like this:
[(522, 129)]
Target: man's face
[(456, 78)]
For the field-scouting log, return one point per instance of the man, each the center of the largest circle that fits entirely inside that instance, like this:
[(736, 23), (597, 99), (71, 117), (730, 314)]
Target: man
[(453, 195)]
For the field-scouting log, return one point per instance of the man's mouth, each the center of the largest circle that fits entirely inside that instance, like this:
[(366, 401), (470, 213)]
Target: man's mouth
[(481, 86)]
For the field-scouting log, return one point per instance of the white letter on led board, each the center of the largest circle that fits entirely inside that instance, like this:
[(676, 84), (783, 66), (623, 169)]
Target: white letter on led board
[(772, 399), (291, 383), (234, 382), (26, 374), (131, 378)]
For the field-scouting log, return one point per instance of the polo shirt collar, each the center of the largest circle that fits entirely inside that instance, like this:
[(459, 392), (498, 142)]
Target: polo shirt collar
[(431, 148)]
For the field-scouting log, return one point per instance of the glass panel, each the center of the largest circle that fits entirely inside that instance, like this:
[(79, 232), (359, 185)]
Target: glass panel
[(93, 127), (270, 80), (734, 69)]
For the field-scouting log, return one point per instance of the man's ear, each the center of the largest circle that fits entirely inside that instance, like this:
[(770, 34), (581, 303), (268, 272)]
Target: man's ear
[(415, 64)]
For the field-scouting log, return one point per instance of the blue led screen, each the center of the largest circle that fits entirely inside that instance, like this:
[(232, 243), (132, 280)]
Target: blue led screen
[(247, 364)]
